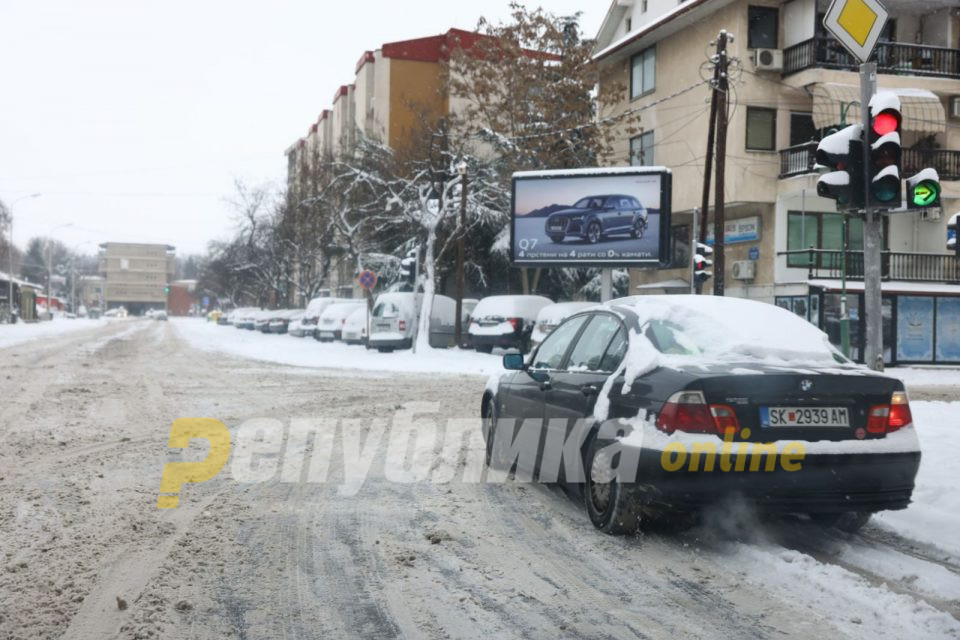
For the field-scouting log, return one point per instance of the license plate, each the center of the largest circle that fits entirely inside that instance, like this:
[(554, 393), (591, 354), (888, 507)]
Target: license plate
[(804, 417)]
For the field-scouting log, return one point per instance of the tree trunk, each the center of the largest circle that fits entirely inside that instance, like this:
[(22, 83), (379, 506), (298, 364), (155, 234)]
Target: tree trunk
[(426, 306)]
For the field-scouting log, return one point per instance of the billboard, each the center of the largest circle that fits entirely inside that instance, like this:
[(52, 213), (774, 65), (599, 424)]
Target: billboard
[(617, 216)]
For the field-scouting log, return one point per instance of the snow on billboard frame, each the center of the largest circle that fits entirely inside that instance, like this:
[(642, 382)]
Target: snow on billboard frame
[(662, 193)]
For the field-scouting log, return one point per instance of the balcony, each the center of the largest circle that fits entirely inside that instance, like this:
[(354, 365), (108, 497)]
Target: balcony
[(800, 159), (902, 266), (897, 58)]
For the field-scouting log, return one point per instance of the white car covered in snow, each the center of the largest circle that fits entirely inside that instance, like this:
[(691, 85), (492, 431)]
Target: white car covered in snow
[(355, 328), (505, 321), (311, 315), (330, 324), (552, 315), (394, 320)]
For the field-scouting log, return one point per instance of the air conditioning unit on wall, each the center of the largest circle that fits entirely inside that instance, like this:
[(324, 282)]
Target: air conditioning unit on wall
[(768, 59), (744, 270)]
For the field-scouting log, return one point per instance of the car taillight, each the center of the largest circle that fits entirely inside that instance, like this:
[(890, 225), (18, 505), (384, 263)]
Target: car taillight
[(402, 325), (886, 418), (900, 415), (725, 419), (688, 411), (516, 323)]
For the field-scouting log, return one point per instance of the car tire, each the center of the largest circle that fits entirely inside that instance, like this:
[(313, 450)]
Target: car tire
[(639, 228), (556, 238), (485, 348), (848, 522), (612, 506), (594, 232)]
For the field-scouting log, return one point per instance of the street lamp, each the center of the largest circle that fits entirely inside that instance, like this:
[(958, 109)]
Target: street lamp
[(458, 327), (10, 252)]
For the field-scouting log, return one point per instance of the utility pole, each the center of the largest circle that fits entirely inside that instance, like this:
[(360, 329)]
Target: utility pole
[(718, 221), (708, 162), (872, 232), (461, 240)]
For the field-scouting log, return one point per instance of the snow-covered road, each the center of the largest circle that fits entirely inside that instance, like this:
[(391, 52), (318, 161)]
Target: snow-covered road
[(85, 553)]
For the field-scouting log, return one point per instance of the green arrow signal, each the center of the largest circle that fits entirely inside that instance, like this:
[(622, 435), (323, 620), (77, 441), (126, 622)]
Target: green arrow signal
[(925, 193)]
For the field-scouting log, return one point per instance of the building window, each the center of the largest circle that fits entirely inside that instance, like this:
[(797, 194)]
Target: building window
[(820, 231), (629, 24), (802, 128), (643, 6), (643, 72), (641, 149), (764, 23), (761, 129)]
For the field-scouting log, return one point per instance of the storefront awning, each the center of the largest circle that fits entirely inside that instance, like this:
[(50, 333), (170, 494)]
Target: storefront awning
[(922, 110)]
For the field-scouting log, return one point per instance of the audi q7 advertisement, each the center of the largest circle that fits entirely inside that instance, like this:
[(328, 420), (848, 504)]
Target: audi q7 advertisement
[(579, 217)]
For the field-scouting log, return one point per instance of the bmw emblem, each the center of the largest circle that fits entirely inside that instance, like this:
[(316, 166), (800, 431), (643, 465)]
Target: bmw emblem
[(806, 385)]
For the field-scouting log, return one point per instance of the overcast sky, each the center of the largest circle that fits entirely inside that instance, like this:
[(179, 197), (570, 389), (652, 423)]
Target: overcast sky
[(133, 118)]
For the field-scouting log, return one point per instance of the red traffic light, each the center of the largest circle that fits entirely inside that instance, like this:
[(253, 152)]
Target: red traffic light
[(886, 122)]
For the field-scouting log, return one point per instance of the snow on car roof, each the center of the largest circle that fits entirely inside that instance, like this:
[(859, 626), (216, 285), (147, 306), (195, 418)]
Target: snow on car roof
[(722, 325), (558, 311), (341, 309), (526, 306)]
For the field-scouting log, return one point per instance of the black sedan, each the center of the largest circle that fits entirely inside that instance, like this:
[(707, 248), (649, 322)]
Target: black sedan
[(656, 407)]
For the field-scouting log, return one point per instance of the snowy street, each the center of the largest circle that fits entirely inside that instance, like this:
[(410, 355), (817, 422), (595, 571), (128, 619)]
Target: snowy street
[(86, 553)]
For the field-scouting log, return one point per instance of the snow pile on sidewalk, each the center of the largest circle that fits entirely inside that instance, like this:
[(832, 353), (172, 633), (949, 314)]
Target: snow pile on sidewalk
[(934, 515), (307, 352), (923, 377), (11, 334)]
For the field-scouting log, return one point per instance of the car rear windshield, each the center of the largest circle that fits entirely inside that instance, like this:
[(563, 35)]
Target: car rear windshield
[(386, 310)]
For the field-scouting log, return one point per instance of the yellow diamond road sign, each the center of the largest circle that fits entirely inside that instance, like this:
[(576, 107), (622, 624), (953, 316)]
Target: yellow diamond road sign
[(856, 24)]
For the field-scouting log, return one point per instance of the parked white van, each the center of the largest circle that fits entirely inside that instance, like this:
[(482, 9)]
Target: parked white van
[(394, 319)]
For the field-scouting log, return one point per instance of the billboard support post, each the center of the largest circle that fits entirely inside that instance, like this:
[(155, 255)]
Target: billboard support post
[(606, 285)]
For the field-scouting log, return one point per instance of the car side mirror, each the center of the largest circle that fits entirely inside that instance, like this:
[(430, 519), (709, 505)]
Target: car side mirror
[(513, 361)]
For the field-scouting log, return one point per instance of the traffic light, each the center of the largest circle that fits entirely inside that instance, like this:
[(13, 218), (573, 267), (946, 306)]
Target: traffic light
[(842, 152), (701, 263), (408, 267), (883, 136), (923, 190), (166, 290)]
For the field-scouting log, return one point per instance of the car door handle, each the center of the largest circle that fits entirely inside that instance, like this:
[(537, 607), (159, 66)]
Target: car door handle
[(545, 385), (590, 389)]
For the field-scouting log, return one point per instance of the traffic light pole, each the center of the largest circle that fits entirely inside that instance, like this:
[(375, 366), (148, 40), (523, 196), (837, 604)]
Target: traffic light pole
[(872, 231)]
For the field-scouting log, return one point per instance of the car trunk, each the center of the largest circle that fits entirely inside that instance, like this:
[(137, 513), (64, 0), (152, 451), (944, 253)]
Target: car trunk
[(800, 406)]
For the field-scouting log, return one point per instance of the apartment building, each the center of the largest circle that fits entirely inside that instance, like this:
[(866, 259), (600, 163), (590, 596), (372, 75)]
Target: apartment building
[(136, 275), (794, 83), (395, 89)]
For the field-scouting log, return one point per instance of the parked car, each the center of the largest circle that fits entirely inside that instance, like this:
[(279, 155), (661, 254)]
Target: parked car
[(159, 314), (394, 320), (593, 218), (261, 320), (552, 315), (701, 371), (308, 324), (245, 318), (116, 312), (355, 328), (330, 325), (281, 320), (504, 321), (214, 316)]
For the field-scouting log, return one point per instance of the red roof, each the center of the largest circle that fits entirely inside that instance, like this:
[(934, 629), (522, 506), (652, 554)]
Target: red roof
[(342, 91), (324, 115), (365, 58)]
